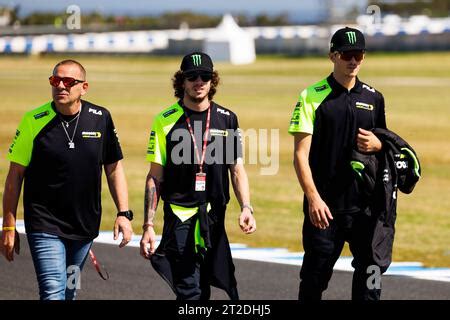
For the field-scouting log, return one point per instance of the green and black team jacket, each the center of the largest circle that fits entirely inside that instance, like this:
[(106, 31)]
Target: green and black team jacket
[(170, 145), (333, 114), (62, 185), (381, 175)]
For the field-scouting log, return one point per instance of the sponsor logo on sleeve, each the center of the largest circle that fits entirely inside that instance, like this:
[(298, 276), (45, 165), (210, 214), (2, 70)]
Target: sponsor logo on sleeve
[(168, 113), (117, 135), (151, 143), (41, 115), (295, 120), (10, 150), (14, 141), (321, 88)]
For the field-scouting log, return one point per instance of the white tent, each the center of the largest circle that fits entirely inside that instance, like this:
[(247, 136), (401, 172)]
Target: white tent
[(228, 42)]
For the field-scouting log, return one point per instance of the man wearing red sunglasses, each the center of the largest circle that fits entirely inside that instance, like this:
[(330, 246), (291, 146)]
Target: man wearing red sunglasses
[(194, 145), (332, 118), (59, 152)]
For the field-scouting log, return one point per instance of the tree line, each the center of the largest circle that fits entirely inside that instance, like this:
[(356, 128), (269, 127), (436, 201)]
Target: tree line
[(169, 20), (431, 8)]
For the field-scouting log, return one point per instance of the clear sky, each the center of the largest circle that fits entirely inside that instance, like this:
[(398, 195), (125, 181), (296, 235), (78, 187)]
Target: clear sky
[(299, 10)]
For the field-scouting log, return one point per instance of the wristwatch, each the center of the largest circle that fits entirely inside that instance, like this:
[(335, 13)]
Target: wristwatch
[(127, 214), (247, 206)]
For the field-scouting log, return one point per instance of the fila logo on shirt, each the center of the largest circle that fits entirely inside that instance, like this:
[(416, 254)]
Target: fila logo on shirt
[(223, 111), (95, 111), (368, 88)]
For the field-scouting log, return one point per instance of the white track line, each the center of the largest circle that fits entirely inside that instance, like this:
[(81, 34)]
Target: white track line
[(283, 256)]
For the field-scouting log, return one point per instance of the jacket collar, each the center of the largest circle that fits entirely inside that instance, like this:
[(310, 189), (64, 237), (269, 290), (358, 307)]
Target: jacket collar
[(336, 86)]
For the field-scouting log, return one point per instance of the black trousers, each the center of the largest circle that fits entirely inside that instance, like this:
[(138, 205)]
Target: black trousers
[(186, 265), (190, 272), (323, 248)]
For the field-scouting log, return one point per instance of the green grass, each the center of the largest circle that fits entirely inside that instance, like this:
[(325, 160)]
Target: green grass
[(263, 95)]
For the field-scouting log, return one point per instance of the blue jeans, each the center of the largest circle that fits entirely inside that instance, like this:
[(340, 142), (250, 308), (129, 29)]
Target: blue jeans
[(58, 263)]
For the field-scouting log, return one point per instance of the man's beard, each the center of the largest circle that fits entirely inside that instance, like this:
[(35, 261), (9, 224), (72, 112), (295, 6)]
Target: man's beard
[(196, 100)]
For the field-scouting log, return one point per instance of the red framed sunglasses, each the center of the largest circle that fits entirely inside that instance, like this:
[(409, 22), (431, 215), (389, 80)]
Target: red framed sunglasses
[(348, 55), (67, 81)]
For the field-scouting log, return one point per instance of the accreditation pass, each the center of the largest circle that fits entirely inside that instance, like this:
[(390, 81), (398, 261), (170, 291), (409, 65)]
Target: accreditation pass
[(200, 181)]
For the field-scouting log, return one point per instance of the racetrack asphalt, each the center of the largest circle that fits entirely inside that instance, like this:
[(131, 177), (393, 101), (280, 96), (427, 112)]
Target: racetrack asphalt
[(133, 278)]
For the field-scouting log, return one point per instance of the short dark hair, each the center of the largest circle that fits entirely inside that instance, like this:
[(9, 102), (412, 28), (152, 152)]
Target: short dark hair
[(178, 80), (70, 61)]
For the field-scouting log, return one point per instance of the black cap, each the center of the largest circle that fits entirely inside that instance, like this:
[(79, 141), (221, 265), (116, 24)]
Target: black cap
[(347, 39), (196, 61)]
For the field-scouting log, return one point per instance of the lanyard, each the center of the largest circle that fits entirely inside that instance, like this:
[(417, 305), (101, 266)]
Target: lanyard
[(97, 267), (205, 138)]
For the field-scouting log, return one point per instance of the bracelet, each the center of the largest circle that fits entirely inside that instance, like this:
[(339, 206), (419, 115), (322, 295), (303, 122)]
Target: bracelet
[(148, 224), (249, 206), (9, 228)]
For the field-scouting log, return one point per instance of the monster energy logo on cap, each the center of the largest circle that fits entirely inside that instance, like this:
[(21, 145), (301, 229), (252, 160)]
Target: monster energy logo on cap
[(346, 39), (351, 36), (196, 59)]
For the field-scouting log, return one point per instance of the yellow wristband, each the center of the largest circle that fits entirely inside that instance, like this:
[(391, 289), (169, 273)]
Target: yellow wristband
[(9, 228)]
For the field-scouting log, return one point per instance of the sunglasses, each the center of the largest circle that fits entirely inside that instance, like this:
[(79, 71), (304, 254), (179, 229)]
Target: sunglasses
[(348, 55), (205, 76), (67, 81)]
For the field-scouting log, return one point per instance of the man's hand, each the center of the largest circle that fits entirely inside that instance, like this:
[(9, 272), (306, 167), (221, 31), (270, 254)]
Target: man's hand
[(10, 243), (247, 222), (123, 225), (368, 142), (319, 213), (148, 243)]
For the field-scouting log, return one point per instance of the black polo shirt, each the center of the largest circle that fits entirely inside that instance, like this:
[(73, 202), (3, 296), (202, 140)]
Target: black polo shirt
[(63, 185), (170, 145), (333, 114)]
